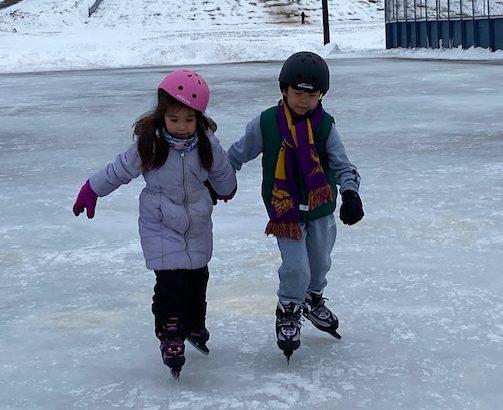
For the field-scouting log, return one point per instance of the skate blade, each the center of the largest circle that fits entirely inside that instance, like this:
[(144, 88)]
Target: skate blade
[(330, 331), (175, 372), (175, 365), (203, 349), (336, 335), (288, 354)]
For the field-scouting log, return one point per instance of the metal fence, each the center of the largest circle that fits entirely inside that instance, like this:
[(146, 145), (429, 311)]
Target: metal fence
[(93, 8), (444, 23)]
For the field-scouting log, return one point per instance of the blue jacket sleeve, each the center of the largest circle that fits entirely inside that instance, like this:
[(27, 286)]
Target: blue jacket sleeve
[(221, 176), (248, 147)]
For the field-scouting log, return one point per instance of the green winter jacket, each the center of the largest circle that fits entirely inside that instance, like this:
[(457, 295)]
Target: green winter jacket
[(271, 145)]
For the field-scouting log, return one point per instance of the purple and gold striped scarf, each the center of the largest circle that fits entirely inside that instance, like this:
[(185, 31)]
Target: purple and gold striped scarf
[(297, 153)]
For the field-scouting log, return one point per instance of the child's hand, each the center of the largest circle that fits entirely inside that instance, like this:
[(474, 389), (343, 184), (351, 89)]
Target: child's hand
[(213, 194), (351, 209), (215, 197), (86, 199)]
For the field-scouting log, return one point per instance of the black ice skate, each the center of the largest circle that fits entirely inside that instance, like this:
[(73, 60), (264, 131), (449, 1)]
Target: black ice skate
[(288, 327), (172, 346), (198, 339), (319, 315)]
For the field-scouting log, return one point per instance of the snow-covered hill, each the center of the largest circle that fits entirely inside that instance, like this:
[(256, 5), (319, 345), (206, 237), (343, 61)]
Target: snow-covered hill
[(40, 35), (180, 14)]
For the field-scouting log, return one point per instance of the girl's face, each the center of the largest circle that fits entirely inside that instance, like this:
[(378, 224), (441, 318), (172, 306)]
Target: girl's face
[(301, 101), (180, 122)]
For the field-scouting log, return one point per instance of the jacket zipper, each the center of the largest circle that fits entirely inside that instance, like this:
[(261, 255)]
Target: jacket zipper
[(182, 154)]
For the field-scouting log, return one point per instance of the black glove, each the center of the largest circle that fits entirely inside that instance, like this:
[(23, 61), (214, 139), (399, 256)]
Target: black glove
[(351, 209), (215, 197), (213, 194)]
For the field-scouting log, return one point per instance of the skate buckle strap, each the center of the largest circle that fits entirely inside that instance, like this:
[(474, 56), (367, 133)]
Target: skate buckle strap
[(288, 321)]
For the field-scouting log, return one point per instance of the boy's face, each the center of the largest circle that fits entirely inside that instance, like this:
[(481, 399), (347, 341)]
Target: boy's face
[(301, 101)]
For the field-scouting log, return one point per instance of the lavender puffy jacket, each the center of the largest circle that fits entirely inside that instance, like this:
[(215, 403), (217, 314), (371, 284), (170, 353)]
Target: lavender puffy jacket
[(175, 207)]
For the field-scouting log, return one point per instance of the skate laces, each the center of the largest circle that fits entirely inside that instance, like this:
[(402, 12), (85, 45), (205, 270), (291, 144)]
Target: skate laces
[(316, 306), (172, 339), (291, 320), (172, 347), (289, 317), (319, 306)]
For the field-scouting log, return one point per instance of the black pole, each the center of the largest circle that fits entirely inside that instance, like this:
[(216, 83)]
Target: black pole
[(326, 29)]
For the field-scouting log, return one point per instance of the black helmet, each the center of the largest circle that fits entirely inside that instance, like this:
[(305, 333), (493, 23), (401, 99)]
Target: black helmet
[(306, 71)]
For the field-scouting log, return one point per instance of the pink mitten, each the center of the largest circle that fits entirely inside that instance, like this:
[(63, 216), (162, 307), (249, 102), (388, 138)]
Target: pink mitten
[(86, 199)]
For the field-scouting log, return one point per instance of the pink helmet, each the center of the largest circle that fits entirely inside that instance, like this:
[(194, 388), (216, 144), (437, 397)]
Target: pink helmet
[(187, 87)]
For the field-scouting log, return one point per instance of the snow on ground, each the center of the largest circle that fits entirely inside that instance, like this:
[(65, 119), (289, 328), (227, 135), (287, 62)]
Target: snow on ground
[(59, 35)]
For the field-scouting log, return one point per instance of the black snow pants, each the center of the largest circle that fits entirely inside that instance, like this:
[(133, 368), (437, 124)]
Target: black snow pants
[(180, 294)]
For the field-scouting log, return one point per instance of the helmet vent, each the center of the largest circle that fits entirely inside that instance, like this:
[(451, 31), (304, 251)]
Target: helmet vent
[(194, 96), (180, 87)]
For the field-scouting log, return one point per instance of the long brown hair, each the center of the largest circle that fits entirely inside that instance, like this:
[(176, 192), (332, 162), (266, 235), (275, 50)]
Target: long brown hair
[(153, 147)]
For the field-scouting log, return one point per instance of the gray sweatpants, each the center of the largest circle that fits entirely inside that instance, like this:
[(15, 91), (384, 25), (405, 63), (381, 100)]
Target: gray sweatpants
[(306, 262)]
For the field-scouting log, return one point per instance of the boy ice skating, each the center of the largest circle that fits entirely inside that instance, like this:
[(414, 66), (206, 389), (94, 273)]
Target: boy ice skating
[(303, 161)]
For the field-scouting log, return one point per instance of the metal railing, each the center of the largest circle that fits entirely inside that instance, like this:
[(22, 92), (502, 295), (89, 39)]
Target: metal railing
[(444, 23), (93, 8)]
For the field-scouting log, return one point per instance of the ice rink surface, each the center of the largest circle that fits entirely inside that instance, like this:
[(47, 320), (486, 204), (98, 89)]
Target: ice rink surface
[(417, 284)]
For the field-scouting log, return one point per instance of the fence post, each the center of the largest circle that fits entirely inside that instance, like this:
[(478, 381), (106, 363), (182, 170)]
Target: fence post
[(326, 29), (492, 34), (93, 8)]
